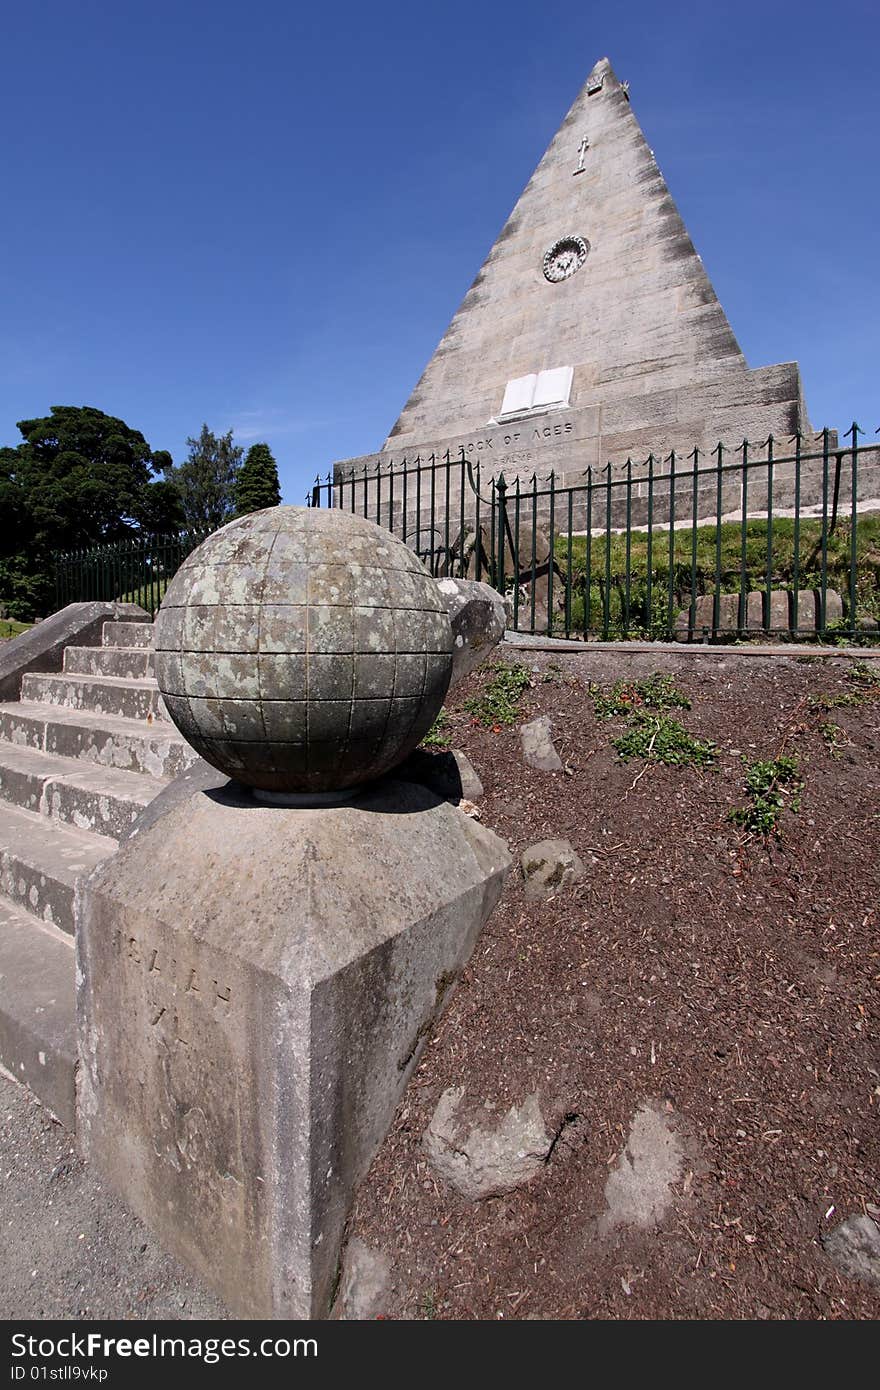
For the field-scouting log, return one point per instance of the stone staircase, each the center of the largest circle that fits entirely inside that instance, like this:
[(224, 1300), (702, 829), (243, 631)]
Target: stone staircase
[(81, 754)]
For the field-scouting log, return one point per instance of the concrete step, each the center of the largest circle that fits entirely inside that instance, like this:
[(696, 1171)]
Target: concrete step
[(127, 635), (40, 861), (155, 750), (38, 1009), (99, 799), (130, 663), (125, 699)]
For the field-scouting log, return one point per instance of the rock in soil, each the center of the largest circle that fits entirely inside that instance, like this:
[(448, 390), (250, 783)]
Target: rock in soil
[(366, 1277), (549, 866), (537, 745), (479, 1160), (854, 1246), (638, 1190)]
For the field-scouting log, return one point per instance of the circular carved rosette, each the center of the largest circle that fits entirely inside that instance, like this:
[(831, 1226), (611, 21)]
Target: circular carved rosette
[(564, 257)]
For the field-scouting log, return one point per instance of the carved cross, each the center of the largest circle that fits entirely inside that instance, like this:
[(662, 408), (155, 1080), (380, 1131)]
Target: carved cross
[(582, 154)]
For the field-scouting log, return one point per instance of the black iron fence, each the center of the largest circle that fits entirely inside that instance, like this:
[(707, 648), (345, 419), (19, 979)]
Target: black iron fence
[(731, 544), (135, 570), (736, 543)]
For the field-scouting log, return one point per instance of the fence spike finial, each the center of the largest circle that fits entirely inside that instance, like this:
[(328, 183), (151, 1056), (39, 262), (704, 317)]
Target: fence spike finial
[(854, 430)]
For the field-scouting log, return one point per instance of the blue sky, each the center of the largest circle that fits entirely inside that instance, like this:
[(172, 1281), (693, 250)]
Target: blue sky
[(263, 216)]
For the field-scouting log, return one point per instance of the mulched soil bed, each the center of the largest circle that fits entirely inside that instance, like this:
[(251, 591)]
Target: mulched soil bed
[(732, 980)]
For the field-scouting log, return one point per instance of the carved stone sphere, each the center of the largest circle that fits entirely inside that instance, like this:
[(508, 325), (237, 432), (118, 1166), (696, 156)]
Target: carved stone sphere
[(302, 650)]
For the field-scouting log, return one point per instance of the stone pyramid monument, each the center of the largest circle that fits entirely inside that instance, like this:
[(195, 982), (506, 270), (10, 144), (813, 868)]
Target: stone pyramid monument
[(591, 331)]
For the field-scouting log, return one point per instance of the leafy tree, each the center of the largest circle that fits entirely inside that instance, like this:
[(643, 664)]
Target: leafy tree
[(22, 594), (79, 477), (83, 476), (160, 508), (206, 480), (257, 483)]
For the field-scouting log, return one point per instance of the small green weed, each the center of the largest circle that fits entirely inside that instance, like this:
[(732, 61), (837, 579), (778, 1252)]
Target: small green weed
[(660, 738), (840, 633), (833, 737), (428, 1306), (497, 702), (865, 673), (866, 678), (435, 737), (655, 692), (771, 785), (847, 699)]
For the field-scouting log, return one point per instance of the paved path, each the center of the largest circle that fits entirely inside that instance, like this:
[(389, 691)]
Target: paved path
[(68, 1247)]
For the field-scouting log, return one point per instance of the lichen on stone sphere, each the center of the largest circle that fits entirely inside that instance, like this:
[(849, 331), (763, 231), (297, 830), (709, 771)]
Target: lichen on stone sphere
[(303, 650)]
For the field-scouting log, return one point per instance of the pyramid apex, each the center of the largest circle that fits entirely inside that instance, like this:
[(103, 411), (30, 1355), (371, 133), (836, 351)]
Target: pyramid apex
[(599, 72)]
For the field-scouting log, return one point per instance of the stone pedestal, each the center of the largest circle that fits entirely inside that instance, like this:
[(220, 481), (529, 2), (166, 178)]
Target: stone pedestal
[(254, 987)]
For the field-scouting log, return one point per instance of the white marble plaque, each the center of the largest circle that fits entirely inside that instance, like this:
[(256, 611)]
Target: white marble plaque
[(553, 387), (518, 395)]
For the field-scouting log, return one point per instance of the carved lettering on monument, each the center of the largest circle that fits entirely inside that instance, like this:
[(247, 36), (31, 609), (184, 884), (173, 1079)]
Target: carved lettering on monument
[(551, 432), (173, 1034), (176, 980), (542, 435), (547, 435)]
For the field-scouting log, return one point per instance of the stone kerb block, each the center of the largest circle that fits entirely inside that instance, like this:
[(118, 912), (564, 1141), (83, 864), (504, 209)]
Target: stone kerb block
[(255, 984)]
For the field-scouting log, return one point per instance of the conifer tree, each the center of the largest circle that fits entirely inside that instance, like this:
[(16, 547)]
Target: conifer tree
[(206, 480), (256, 485)]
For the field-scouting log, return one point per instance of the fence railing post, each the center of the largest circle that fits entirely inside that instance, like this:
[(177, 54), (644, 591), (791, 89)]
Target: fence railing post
[(517, 567), (627, 567), (588, 579), (695, 510), (853, 432), (822, 615), (568, 562), (534, 569), (743, 555), (606, 603), (403, 504), (719, 501), (796, 541), (551, 558), (649, 583), (768, 577), (462, 519), (670, 594), (499, 487)]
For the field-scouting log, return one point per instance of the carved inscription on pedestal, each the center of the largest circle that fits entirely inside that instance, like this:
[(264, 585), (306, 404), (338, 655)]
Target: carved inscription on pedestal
[(172, 988), (182, 1019)]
